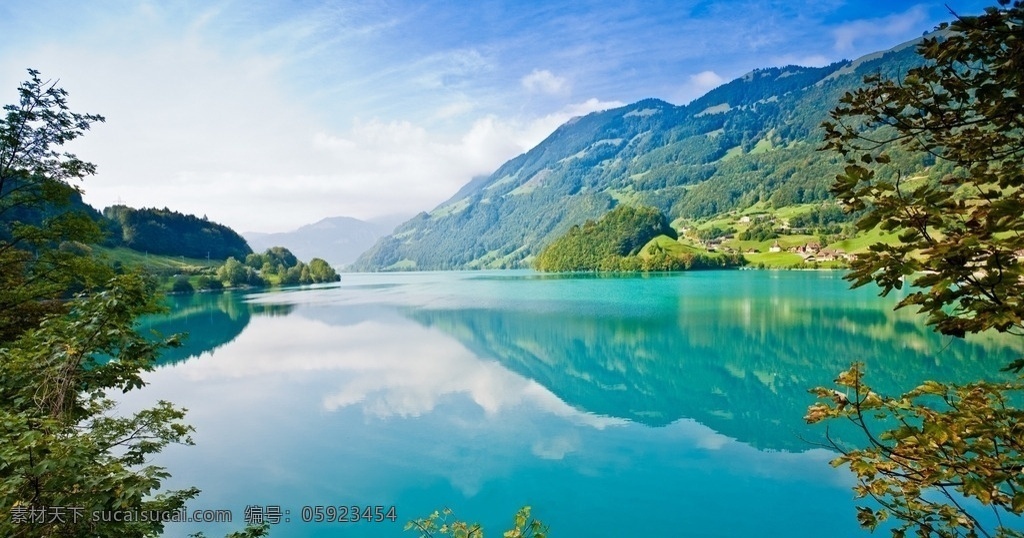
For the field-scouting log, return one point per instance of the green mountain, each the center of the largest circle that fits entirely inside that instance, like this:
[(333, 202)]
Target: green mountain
[(169, 233), (751, 140), (151, 231)]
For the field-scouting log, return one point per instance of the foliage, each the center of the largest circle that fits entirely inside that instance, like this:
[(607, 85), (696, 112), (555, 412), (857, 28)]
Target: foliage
[(162, 231), (947, 445), (714, 232), (958, 440), (182, 285), (205, 283), (823, 216), (614, 243), (600, 244), (68, 339), (438, 524), (761, 231), (276, 264), (233, 273), (250, 531), (960, 235), (37, 209), (63, 445)]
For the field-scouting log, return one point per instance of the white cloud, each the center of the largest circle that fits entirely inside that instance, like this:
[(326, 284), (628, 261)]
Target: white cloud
[(455, 109), (206, 131), (544, 81), (250, 116), (536, 130), (706, 80), (450, 68), (892, 26), (698, 84), (412, 169)]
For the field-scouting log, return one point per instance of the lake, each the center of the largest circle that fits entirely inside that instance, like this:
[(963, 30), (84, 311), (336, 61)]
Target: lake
[(660, 405)]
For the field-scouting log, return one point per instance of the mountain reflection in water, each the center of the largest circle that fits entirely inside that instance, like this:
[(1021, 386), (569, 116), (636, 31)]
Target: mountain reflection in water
[(679, 398)]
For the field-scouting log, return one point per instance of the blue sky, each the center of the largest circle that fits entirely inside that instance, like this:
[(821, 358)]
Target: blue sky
[(270, 114)]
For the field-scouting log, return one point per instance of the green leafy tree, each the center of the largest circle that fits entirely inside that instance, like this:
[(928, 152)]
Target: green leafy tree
[(600, 244), (444, 523), (63, 444), (936, 449), (321, 271), (960, 237), (256, 261), (36, 191), (293, 275), (182, 285), (280, 255), (60, 353), (68, 340), (166, 232), (232, 273)]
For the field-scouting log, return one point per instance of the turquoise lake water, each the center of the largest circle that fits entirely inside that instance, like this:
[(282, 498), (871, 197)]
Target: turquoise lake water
[(631, 406)]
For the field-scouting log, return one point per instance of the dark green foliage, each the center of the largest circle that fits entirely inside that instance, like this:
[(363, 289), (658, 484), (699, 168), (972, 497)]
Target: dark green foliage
[(40, 209), (613, 242), (761, 231), (599, 244), (321, 271), (714, 232), (960, 246), (965, 108), (823, 216), (69, 338), (233, 274), (166, 232), (279, 256), (664, 261), (444, 523), (205, 283), (63, 443), (182, 285)]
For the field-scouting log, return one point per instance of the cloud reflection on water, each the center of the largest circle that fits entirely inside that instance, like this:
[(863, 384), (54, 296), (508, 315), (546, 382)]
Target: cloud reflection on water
[(385, 370)]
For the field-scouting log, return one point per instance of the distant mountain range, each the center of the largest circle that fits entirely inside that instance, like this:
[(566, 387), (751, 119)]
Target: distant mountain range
[(338, 240), (752, 140)]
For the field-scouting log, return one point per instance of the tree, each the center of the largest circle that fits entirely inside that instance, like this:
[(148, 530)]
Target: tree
[(35, 195), (438, 524), (947, 445), (959, 235), (232, 273), (182, 285), (321, 271), (68, 340), (63, 446)]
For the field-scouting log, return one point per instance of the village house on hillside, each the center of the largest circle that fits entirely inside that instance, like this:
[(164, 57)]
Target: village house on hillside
[(812, 252)]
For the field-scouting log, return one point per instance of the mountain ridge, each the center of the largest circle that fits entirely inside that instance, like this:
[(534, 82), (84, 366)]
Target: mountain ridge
[(753, 139), (338, 240)]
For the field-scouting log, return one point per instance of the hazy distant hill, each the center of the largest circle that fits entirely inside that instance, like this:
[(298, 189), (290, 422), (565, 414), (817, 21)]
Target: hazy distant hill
[(338, 240), (751, 140)]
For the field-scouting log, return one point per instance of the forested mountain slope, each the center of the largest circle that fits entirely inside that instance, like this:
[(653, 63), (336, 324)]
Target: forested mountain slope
[(167, 232), (751, 140)]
